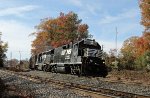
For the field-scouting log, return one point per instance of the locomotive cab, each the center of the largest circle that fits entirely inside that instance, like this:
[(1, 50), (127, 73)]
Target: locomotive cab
[(90, 53)]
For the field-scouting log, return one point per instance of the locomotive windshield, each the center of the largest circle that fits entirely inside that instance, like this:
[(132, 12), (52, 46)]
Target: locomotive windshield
[(92, 44)]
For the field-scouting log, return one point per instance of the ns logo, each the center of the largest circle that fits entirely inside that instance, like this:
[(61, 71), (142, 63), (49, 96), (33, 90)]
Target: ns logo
[(66, 52)]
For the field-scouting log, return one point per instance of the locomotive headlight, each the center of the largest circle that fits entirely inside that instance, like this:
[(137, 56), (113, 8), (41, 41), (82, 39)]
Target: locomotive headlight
[(103, 62), (91, 60)]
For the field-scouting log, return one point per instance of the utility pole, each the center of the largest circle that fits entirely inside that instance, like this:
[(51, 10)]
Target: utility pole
[(10, 59), (116, 48), (116, 42), (0, 39), (20, 56)]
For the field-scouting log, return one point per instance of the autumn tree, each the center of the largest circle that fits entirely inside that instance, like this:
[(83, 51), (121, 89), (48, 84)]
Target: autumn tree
[(145, 11), (142, 48), (136, 50), (143, 43), (54, 32), (128, 51)]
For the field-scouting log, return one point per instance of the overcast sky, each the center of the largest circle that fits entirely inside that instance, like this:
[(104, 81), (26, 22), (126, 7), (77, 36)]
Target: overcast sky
[(18, 18)]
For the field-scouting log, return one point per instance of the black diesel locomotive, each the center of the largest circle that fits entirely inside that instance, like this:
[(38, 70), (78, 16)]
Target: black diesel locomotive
[(82, 58)]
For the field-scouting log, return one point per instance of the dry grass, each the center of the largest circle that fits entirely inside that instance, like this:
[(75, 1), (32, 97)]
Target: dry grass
[(17, 69), (127, 76)]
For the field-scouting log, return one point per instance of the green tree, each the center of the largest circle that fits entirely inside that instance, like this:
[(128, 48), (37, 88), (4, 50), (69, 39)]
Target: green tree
[(147, 60), (128, 51), (112, 57), (143, 61), (3, 49)]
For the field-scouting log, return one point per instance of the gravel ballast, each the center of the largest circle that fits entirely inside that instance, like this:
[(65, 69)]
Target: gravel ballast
[(26, 87), (97, 82), (43, 90)]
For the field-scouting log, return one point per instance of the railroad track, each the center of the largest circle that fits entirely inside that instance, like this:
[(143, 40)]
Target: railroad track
[(95, 92)]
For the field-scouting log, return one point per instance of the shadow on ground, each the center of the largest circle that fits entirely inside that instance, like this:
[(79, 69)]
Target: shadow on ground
[(5, 92)]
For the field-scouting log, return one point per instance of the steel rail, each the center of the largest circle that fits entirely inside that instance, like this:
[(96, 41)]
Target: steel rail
[(108, 93)]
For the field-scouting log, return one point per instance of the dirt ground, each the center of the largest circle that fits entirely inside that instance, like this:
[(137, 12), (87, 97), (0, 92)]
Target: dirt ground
[(130, 77)]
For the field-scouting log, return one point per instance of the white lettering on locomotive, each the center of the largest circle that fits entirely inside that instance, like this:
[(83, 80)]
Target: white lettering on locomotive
[(63, 52), (66, 52)]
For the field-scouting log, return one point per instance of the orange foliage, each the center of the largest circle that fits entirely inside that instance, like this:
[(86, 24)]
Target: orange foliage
[(136, 46), (55, 32), (143, 44), (39, 43), (145, 10), (129, 48)]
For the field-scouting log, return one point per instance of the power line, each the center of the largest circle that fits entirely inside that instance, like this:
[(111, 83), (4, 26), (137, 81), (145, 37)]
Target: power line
[(20, 55)]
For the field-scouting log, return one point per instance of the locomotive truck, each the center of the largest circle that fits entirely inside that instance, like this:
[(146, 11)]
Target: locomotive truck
[(83, 57)]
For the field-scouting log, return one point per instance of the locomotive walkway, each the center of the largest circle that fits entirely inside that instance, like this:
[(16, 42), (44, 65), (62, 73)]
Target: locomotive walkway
[(79, 88)]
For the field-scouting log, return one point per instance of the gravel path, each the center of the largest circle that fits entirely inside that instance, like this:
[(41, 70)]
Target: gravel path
[(96, 82), (37, 90)]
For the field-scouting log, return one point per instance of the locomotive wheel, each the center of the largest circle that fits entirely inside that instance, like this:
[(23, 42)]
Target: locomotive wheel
[(72, 70), (36, 67), (78, 71), (47, 68), (44, 68), (54, 69)]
